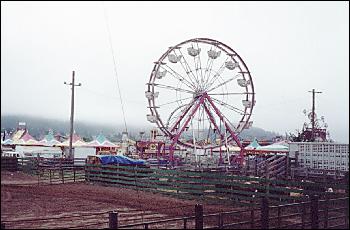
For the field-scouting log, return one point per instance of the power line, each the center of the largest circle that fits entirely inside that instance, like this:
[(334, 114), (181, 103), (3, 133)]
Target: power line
[(115, 66)]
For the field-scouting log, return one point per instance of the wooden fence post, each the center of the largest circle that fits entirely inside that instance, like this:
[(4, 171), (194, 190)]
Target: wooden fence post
[(221, 221), (185, 223), (279, 217), (325, 226), (347, 213), (50, 175), (38, 167), (74, 172), (252, 216), (62, 175), (198, 209), (86, 171), (314, 211), (265, 213), (113, 220), (303, 213)]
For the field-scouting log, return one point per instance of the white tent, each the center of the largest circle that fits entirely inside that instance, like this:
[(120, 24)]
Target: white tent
[(274, 147)]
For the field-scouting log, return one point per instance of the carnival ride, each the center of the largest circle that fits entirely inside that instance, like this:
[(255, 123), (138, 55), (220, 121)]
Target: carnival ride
[(315, 129), (201, 90)]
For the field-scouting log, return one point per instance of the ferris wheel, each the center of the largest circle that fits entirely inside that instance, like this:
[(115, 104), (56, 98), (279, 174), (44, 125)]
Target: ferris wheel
[(200, 94)]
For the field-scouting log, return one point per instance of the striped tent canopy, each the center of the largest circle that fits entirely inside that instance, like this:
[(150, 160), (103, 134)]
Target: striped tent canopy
[(17, 135), (76, 142), (26, 139), (101, 141), (49, 140), (7, 142), (253, 145)]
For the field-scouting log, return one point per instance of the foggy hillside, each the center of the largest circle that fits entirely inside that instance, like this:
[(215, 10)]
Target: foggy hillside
[(38, 127)]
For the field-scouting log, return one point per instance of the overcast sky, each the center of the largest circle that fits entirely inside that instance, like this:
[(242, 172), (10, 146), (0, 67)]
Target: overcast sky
[(289, 48)]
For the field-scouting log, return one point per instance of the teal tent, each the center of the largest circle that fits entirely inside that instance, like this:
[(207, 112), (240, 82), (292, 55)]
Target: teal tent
[(253, 145)]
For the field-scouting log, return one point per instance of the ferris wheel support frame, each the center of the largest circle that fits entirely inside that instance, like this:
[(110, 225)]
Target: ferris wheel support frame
[(202, 96), (201, 101)]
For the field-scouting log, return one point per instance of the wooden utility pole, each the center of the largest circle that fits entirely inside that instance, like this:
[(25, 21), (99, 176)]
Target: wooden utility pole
[(313, 114), (71, 114)]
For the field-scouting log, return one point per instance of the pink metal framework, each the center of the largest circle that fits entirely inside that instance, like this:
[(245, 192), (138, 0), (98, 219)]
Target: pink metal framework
[(203, 99)]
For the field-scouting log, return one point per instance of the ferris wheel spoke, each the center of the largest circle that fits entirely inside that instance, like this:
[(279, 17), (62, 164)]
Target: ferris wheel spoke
[(168, 103), (172, 88), (196, 61), (244, 93), (210, 82), (172, 117), (237, 110), (183, 113), (209, 67), (200, 63), (223, 83), (187, 67), (179, 77)]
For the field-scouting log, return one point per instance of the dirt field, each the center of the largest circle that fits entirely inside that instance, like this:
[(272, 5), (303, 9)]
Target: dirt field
[(25, 204), (18, 178)]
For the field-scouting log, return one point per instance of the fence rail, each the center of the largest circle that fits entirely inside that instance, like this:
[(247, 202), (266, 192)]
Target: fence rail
[(267, 218), (211, 186), (48, 170), (264, 198), (9, 163)]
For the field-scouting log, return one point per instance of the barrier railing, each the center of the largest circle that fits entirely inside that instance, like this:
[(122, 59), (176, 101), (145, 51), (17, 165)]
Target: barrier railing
[(311, 214), (211, 186)]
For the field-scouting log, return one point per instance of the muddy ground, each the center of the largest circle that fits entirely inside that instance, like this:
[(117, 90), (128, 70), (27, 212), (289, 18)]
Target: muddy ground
[(25, 204)]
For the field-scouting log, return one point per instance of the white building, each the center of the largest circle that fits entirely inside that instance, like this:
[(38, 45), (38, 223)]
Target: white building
[(320, 155)]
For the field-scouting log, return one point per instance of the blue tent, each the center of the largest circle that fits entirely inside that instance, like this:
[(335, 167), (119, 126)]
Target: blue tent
[(119, 159)]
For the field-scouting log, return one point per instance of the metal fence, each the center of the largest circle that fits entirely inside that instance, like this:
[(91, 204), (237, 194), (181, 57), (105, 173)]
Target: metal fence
[(61, 170), (9, 163), (268, 203), (303, 215), (47, 170), (311, 214), (216, 187)]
